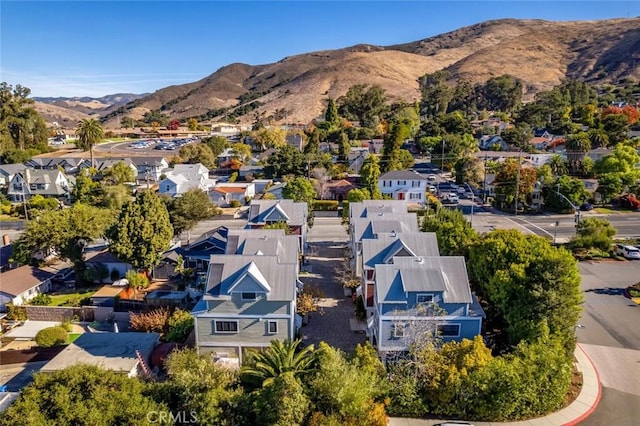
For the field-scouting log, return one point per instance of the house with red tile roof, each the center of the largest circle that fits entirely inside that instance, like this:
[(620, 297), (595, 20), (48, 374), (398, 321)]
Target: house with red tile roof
[(223, 193)]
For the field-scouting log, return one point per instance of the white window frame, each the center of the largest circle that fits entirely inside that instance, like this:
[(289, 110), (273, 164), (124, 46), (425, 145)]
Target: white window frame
[(242, 294), (427, 295), (448, 325), (401, 329), (216, 322), (269, 323)]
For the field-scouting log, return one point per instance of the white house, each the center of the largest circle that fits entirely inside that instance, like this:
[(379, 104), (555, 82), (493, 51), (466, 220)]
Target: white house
[(403, 185), (150, 169), (223, 193), (22, 284), (48, 183), (184, 177)]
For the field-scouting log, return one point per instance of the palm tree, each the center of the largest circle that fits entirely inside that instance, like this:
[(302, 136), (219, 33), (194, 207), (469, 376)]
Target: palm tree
[(558, 165), (89, 133), (577, 145), (279, 358)]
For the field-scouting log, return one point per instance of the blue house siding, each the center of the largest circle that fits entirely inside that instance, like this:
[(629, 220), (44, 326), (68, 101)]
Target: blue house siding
[(251, 332), (387, 340)]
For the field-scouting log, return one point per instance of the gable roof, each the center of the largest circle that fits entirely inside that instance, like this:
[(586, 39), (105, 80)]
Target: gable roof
[(386, 246), (250, 279), (402, 175), (16, 281), (384, 223), (261, 211), (11, 169), (446, 274), (216, 237), (368, 208), (227, 272), (267, 242)]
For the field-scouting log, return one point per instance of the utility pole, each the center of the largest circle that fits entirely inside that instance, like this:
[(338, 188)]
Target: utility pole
[(515, 210), (442, 157), (484, 185), (24, 199)]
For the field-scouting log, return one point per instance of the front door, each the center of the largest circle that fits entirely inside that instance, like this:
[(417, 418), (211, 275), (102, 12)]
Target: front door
[(400, 195)]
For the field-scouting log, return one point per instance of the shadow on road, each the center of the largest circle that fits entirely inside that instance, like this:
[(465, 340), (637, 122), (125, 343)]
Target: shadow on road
[(607, 291)]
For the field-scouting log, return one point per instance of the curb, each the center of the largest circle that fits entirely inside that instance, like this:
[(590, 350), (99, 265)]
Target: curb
[(593, 407)]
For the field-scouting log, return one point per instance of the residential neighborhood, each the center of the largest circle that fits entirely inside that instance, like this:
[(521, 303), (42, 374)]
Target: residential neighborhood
[(423, 245)]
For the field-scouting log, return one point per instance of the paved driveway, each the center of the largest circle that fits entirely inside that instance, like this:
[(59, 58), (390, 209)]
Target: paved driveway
[(332, 324)]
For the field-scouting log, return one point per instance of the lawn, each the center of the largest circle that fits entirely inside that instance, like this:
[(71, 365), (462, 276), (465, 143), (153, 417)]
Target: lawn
[(71, 298), (606, 210), (74, 336)]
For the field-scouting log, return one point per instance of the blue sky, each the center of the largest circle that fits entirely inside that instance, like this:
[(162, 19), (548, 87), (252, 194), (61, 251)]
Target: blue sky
[(94, 48)]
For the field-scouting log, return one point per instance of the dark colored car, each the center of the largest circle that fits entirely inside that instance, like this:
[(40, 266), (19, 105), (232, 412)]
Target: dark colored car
[(586, 207)]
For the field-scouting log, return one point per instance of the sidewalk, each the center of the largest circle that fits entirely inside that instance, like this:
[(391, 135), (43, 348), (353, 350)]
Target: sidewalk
[(573, 414)]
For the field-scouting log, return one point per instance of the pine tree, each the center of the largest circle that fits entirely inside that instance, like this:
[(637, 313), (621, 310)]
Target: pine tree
[(143, 231)]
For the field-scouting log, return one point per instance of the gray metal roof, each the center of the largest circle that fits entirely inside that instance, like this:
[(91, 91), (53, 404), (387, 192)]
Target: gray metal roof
[(384, 223), (268, 242), (386, 246), (447, 274), (226, 271), (261, 211), (402, 175), (368, 208)]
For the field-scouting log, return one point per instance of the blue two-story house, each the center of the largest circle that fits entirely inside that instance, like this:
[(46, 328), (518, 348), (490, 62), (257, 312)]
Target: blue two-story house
[(417, 298), (249, 301)]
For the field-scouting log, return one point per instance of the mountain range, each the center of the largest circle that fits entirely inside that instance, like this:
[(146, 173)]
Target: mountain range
[(540, 53)]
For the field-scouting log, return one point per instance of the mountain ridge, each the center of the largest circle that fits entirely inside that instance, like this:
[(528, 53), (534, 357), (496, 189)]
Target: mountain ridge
[(538, 52)]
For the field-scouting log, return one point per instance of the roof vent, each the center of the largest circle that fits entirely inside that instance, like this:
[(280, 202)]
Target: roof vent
[(419, 259), (393, 233)]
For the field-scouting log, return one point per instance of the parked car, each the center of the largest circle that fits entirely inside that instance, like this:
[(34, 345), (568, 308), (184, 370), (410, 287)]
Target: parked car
[(453, 198), (585, 207), (432, 178), (62, 275), (628, 252)]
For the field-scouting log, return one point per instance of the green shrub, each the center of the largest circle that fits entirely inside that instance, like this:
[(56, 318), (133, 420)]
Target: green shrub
[(361, 312), (136, 280), (51, 336), (16, 313), (41, 300), (325, 205), (66, 324), (180, 326), (235, 203)]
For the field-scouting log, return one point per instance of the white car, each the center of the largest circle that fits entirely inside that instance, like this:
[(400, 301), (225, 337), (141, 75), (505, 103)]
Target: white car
[(453, 198), (628, 252)]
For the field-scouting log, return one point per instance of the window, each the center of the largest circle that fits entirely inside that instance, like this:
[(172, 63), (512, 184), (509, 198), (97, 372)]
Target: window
[(402, 182), (398, 330), (449, 330), (415, 183), (226, 326), (272, 327), (248, 296), (424, 298), (415, 196)]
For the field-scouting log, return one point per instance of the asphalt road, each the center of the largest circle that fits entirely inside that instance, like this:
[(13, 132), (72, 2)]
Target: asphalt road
[(610, 336)]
